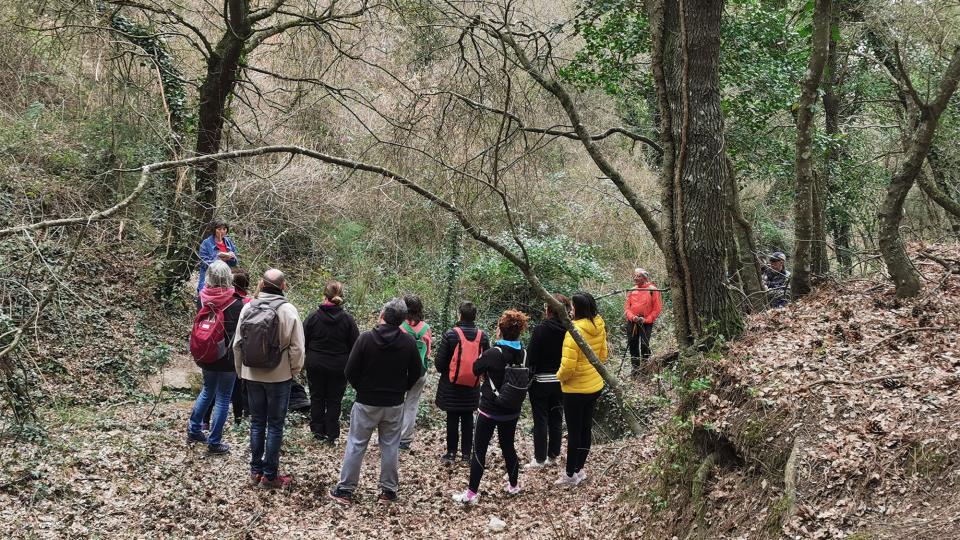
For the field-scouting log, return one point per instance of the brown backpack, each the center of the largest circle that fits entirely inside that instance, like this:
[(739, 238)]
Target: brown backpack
[(260, 334)]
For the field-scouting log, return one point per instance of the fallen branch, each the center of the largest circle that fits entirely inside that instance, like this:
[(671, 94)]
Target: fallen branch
[(949, 264), (891, 337), (898, 375)]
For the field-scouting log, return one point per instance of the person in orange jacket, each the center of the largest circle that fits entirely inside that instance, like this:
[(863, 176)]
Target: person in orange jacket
[(641, 310)]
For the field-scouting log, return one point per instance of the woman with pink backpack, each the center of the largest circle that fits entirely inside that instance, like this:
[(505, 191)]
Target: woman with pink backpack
[(458, 393)]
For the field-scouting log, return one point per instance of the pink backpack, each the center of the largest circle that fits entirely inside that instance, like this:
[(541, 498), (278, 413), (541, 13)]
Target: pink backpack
[(208, 337)]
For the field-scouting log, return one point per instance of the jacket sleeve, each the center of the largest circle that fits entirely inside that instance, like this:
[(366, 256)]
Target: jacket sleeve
[(629, 310), (296, 351), (237, 350), (483, 363), (656, 308), (445, 352), (568, 359), (604, 351), (354, 363), (208, 252), (534, 348), (353, 332), (414, 366), (308, 325)]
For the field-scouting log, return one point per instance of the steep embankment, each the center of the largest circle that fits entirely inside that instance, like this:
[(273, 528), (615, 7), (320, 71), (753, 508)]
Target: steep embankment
[(836, 417)]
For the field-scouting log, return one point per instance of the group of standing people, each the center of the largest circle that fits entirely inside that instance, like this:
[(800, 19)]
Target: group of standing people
[(483, 379)]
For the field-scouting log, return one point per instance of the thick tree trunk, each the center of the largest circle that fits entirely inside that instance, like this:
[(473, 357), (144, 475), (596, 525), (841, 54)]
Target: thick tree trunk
[(223, 69), (803, 204), (686, 50), (819, 263)]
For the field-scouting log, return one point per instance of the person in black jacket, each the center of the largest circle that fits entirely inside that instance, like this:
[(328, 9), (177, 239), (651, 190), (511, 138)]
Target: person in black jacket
[(330, 333), (383, 365), (493, 415), (219, 376), (546, 399), (458, 400)]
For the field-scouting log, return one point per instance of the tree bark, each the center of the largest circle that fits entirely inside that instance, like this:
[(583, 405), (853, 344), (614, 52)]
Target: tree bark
[(838, 217), (804, 201), (748, 267), (685, 61), (905, 277), (223, 69), (935, 188)]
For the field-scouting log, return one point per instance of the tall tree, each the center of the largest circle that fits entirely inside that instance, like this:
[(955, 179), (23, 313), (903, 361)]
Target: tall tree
[(805, 185), (685, 61)]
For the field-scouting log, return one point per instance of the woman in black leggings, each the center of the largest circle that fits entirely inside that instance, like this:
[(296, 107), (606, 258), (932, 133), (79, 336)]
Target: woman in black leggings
[(581, 385), (494, 414)]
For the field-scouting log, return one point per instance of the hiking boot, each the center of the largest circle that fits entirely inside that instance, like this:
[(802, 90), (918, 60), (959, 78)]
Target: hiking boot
[(387, 496), (255, 478), (534, 464), (280, 482), (564, 480), (448, 459), (196, 437), (218, 449), (467, 497), (512, 491), (404, 447), (341, 496)]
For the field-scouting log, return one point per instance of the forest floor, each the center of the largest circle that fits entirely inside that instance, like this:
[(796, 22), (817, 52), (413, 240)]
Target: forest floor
[(126, 471)]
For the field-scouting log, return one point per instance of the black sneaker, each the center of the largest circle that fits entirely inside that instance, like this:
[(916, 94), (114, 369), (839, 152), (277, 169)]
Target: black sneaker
[(404, 447), (448, 459), (387, 496), (218, 449), (341, 496), (465, 458), (196, 437)]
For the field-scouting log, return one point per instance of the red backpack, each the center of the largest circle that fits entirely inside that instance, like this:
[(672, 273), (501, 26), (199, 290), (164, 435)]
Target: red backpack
[(465, 354), (208, 338)]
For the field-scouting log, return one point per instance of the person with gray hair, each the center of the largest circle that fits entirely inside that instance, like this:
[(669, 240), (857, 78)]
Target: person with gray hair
[(383, 365), (219, 375)]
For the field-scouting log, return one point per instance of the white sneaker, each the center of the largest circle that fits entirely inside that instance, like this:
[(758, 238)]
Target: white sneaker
[(580, 476), (534, 464), (467, 498), (512, 491), (565, 480)]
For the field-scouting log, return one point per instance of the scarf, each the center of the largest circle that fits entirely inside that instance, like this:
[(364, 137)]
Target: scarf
[(220, 297), (512, 344)]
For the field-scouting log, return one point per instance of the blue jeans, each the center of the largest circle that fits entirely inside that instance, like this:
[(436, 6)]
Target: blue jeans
[(217, 390), (268, 411)]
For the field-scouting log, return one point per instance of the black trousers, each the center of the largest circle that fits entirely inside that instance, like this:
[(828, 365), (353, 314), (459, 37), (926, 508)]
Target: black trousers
[(638, 340), (546, 402), (460, 423), (326, 401), (239, 400), (579, 409), (506, 431)]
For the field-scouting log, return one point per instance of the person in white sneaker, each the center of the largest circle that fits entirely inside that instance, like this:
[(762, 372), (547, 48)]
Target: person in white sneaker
[(546, 398), (581, 385), (497, 412)]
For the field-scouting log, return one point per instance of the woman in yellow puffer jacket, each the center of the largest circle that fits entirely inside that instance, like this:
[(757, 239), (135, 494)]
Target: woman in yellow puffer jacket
[(581, 385)]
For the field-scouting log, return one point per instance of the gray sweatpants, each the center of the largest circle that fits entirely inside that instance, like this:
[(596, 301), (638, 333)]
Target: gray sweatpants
[(411, 406), (363, 420)]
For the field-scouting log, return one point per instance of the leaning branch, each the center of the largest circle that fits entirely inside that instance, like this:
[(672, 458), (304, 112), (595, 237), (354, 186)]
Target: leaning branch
[(528, 272)]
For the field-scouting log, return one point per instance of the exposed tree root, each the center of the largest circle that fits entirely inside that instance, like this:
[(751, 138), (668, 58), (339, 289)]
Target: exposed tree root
[(698, 529)]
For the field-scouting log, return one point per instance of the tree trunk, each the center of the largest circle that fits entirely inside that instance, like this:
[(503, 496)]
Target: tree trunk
[(905, 277), (223, 69), (747, 249), (838, 216), (804, 201), (685, 60), (937, 189), (819, 263)]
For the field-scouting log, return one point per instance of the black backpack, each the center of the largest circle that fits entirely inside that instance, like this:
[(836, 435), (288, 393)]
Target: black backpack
[(260, 334), (516, 382)]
